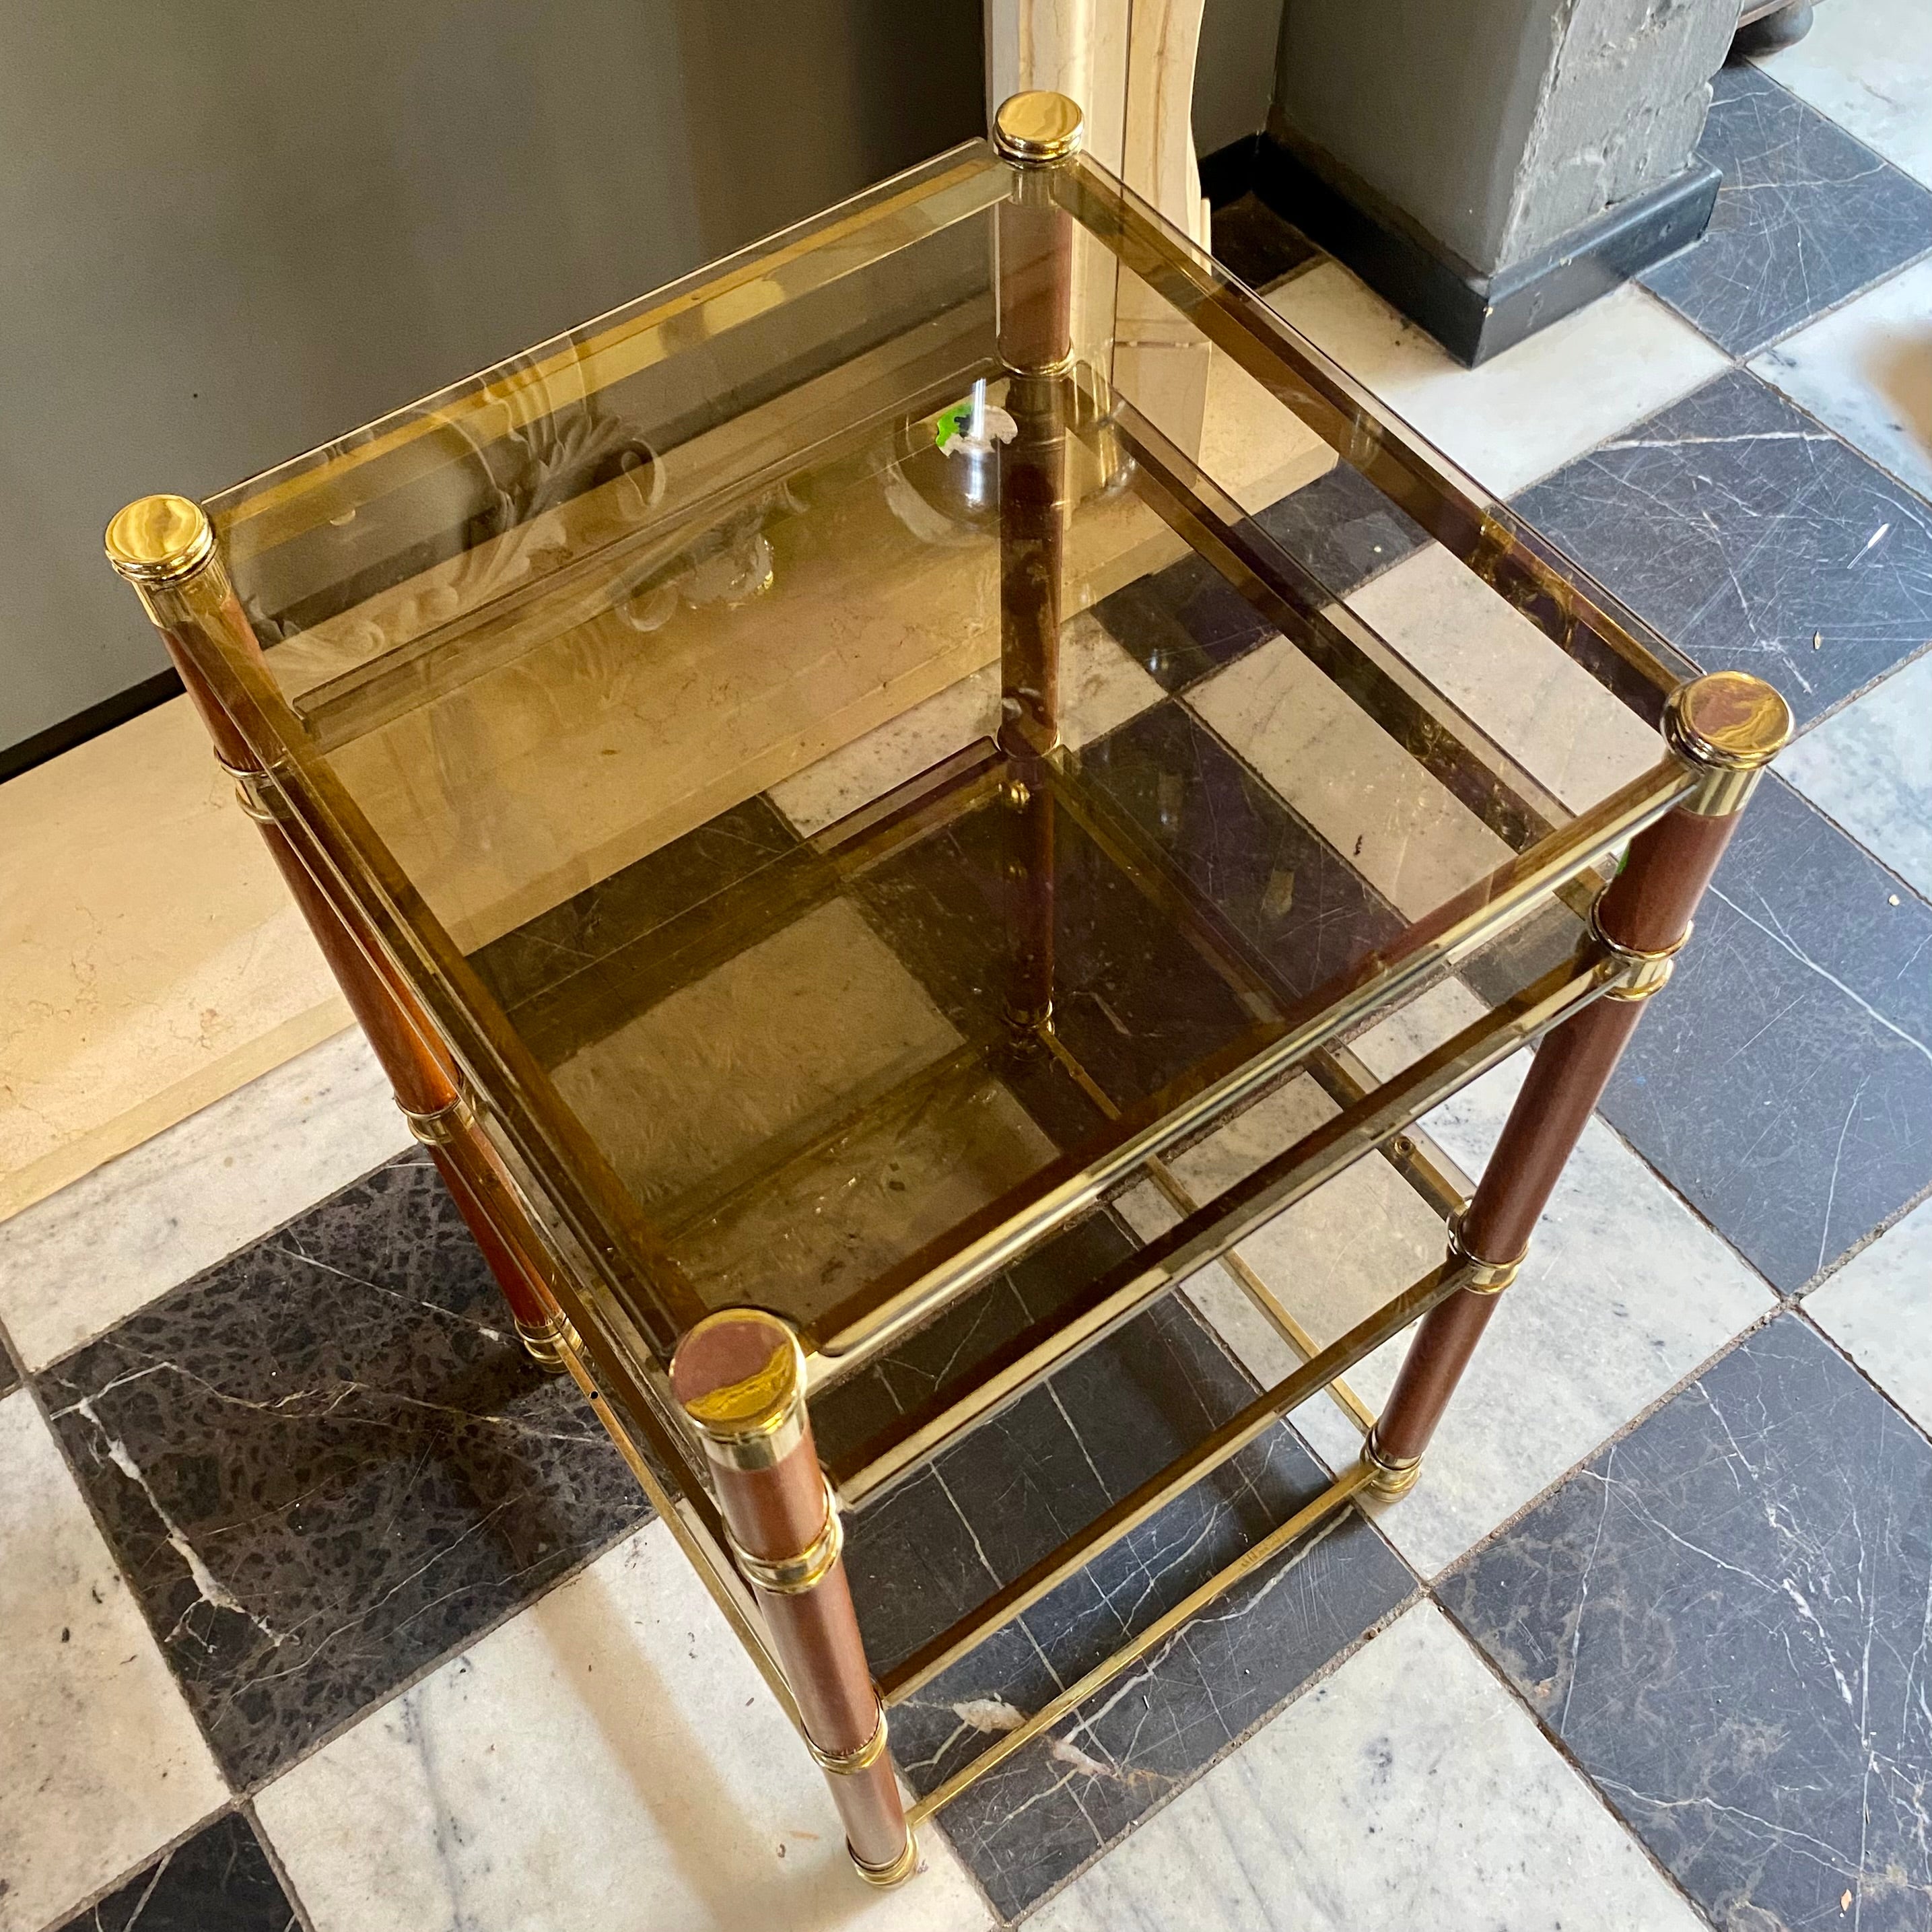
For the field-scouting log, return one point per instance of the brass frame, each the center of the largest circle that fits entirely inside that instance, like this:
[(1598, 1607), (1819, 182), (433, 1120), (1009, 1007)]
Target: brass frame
[(614, 1299)]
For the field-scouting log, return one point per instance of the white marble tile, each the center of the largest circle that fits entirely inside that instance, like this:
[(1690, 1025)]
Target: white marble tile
[(1866, 370), (101, 1763), (1869, 768), (1101, 686), (1878, 1308), (1526, 411), (1625, 1292), (1489, 660), (1408, 836), (1409, 1788), (1868, 64), (77, 1262), (608, 1758)]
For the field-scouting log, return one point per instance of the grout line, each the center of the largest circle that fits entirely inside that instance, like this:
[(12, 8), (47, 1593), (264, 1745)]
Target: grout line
[(1569, 1757), (1490, 1537), (272, 1852), (404, 1686), (1315, 1677), (1864, 1375), (68, 1913)]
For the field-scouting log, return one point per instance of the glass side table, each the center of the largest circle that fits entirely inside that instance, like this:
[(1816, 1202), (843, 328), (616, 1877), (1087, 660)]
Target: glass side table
[(781, 908)]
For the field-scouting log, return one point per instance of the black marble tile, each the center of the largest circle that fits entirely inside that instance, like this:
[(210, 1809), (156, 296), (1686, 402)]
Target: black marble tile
[(1782, 1080), (943, 1353), (1300, 907), (1753, 539), (219, 1880), (539, 955), (1805, 217), (326, 1461), (1011, 1493), (10, 1376), (1253, 241), (1132, 998), (1180, 623), (1723, 1617), (1343, 529)]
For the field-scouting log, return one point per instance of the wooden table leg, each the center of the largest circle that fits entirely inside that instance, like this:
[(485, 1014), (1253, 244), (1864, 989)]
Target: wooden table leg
[(165, 547), (740, 1377), (1034, 238), (1727, 726)]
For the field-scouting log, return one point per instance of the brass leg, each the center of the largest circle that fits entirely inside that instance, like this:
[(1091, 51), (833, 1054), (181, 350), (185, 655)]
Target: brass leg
[(740, 1377), (1726, 727), (165, 547)]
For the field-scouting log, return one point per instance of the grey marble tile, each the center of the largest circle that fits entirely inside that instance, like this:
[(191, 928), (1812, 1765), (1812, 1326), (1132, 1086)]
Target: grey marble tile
[(1723, 1617), (219, 1880), (1869, 769), (1878, 1308), (608, 1758), (1806, 216), (327, 1461), (1753, 539), (1783, 1082), (101, 1764), (1408, 1789), (1009, 1496), (1180, 623)]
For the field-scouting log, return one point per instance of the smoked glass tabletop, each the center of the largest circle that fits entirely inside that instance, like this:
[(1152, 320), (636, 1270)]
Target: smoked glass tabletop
[(669, 689)]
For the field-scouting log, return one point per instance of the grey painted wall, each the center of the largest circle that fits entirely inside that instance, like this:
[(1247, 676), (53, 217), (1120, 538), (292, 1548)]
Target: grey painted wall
[(1234, 76), (235, 231), (1496, 126)]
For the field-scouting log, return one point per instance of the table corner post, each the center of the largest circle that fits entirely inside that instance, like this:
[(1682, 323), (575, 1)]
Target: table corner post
[(739, 1377), (166, 548), (1725, 728)]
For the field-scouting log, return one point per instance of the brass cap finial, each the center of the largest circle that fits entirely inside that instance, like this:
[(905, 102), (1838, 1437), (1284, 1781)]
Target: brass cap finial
[(1033, 129), (1730, 719), (160, 540), (740, 1376)]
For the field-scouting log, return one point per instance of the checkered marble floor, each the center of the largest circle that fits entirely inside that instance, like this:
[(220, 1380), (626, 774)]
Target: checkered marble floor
[(320, 1607)]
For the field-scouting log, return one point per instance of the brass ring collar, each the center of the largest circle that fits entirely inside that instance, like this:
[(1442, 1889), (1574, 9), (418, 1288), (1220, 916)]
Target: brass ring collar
[(257, 793), (793, 1576), (861, 1757), (441, 1126), (1639, 973), (894, 1870), (1485, 1277)]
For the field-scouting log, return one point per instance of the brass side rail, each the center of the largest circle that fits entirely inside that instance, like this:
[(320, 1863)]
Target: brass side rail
[(1164, 1626), (940, 1653), (1428, 949), (1207, 1235)]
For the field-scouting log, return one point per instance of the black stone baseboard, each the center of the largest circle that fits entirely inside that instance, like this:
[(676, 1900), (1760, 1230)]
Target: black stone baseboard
[(1228, 172), (1473, 316), (55, 739)]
